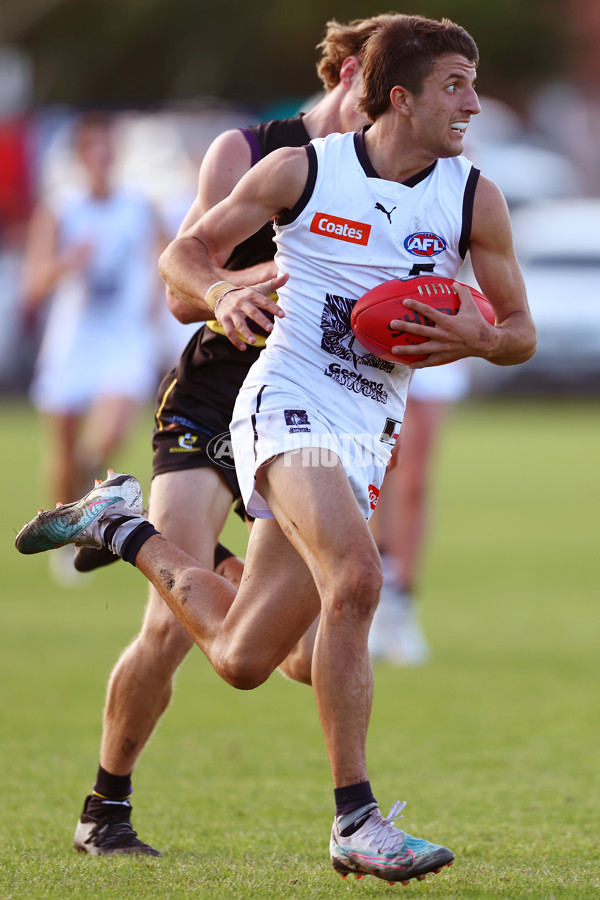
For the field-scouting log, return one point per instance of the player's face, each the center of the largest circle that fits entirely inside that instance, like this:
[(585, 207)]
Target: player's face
[(443, 109), (96, 150)]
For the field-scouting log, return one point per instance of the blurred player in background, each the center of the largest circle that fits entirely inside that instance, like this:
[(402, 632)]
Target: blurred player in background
[(401, 521), (90, 256), (192, 490)]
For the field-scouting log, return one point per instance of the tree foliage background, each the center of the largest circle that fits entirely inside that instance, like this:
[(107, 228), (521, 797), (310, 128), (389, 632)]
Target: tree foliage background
[(144, 52)]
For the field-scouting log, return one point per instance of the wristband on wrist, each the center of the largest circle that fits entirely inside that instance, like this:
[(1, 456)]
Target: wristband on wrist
[(216, 292)]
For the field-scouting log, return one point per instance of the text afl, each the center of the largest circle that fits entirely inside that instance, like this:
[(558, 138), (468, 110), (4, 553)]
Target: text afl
[(424, 243), (340, 229)]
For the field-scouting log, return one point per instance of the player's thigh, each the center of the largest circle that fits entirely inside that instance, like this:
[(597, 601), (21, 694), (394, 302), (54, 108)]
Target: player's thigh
[(275, 605), (318, 512), (316, 554), (189, 507)]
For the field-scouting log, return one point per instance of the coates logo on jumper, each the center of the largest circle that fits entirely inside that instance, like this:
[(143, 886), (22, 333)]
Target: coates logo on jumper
[(373, 496), (340, 229), (424, 243)]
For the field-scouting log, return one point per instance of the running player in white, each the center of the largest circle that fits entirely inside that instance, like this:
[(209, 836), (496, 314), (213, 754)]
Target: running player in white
[(311, 549)]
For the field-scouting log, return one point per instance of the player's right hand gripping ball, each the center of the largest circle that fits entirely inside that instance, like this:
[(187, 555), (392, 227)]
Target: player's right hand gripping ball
[(375, 310)]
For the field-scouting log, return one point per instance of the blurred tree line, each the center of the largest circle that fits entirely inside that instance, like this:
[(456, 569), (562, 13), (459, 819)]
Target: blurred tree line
[(144, 52)]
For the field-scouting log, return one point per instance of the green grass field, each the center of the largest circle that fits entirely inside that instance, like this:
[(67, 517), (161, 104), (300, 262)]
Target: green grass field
[(494, 744)]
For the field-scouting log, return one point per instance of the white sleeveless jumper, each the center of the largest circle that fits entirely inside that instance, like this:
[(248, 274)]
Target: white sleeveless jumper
[(314, 385)]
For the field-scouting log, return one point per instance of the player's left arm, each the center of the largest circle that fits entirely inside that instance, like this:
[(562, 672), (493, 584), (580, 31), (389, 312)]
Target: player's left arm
[(187, 265), (225, 163), (512, 339), (495, 266)]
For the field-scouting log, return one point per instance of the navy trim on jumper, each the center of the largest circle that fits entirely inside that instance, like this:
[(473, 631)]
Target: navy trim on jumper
[(420, 176), (253, 418), (361, 152), (363, 158), (286, 218), (467, 211)]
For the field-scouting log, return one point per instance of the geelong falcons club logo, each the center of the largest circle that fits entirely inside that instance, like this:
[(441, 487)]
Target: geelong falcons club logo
[(296, 420)]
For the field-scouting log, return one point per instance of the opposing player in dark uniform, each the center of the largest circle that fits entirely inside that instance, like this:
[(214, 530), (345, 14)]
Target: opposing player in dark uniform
[(196, 399), (194, 482)]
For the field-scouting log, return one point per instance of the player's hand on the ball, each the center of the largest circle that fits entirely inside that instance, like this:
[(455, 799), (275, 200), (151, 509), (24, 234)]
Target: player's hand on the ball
[(448, 337), (239, 309)]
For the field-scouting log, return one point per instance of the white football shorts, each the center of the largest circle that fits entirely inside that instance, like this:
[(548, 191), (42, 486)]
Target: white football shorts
[(268, 421)]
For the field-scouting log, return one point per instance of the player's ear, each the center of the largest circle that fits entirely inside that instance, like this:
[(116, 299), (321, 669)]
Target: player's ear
[(350, 67), (401, 99)]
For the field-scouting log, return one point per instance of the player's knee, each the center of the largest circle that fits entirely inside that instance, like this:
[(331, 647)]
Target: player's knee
[(356, 590), (241, 676), (243, 669)]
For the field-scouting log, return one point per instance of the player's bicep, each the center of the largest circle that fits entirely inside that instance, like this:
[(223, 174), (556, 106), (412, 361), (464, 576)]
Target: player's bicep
[(227, 224), (493, 258)]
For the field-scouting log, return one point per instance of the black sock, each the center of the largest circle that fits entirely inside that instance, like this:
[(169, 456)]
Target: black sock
[(350, 798), (112, 787), (134, 543), (128, 542)]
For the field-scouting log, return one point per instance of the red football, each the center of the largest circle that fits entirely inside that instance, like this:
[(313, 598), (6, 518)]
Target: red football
[(372, 314)]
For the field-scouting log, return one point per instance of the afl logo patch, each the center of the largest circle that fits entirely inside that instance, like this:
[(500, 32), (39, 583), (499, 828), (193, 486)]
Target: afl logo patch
[(424, 243)]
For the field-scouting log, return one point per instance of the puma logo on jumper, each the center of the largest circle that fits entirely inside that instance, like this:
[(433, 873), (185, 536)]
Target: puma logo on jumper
[(382, 208)]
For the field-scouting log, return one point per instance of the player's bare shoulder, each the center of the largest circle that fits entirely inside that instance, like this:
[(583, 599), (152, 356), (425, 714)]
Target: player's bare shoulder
[(286, 164), (491, 218), (226, 161), (489, 199), (231, 143)]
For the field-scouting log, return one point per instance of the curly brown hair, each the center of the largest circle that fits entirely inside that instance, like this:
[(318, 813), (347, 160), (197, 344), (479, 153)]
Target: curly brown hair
[(341, 41)]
